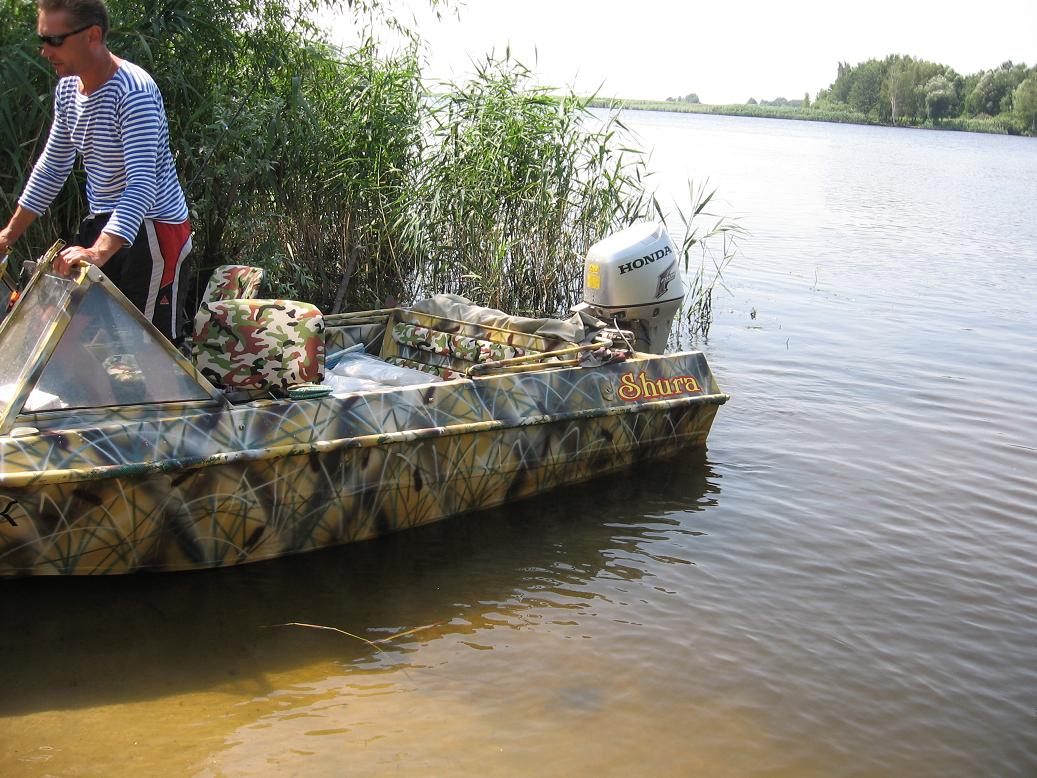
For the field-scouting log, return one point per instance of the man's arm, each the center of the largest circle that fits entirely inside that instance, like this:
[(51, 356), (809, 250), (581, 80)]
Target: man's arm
[(102, 250), (45, 181), (50, 171), (19, 223)]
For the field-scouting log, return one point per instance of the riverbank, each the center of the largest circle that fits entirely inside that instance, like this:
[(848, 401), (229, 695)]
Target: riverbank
[(989, 125)]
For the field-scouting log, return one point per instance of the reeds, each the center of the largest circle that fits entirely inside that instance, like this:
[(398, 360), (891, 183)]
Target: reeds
[(339, 174)]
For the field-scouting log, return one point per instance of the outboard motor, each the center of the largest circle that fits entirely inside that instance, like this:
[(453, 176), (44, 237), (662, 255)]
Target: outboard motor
[(633, 278)]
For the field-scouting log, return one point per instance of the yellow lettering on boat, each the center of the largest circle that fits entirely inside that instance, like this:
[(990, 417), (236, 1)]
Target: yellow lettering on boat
[(628, 390), (638, 386)]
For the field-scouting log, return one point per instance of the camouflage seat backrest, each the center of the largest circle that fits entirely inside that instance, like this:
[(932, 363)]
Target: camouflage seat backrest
[(259, 344), (233, 282), (448, 348)]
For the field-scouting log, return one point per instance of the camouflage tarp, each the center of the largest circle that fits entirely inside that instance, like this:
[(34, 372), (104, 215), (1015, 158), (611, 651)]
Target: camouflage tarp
[(578, 328)]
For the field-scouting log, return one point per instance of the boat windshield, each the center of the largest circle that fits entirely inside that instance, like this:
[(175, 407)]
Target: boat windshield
[(26, 333), (106, 355), (7, 287)]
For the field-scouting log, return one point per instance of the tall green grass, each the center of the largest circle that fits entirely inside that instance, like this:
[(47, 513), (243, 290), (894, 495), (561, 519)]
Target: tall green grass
[(513, 187), (341, 175), (26, 97)]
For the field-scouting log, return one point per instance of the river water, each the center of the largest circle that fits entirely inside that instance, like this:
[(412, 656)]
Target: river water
[(843, 584)]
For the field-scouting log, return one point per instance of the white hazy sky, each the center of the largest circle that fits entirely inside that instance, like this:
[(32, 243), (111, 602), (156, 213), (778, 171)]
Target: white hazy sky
[(726, 51)]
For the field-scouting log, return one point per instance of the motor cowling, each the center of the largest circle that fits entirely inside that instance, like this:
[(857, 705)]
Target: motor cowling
[(633, 277)]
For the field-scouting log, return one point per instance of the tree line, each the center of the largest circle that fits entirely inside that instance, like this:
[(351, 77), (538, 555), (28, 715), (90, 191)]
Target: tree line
[(903, 90)]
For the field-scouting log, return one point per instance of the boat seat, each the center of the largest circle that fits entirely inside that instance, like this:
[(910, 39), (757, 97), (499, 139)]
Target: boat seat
[(448, 347), (233, 282), (246, 344)]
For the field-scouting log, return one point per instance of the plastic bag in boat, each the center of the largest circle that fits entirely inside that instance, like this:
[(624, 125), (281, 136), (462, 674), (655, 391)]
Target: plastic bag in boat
[(38, 400), (358, 371)]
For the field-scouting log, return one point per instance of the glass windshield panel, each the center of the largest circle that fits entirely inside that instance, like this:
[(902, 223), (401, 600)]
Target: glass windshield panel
[(6, 295), (106, 357), (26, 328)]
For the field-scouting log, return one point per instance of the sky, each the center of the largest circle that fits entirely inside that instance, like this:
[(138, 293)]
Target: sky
[(725, 52)]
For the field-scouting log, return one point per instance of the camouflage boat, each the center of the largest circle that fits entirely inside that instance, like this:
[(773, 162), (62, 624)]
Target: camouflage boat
[(119, 453)]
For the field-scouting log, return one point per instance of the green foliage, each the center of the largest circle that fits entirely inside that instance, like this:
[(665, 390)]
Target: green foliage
[(992, 92), (26, 85), (986, 96), (790, 110), (336, 171), (516, 185), (940, 98), (1025, 102), (866, 90), (781, 102), (903, 90)]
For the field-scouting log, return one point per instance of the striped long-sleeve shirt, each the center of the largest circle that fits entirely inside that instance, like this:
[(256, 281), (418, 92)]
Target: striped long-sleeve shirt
[(122, 133)]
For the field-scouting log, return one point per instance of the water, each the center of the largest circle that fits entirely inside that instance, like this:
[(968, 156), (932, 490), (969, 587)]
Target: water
[(844, 583)]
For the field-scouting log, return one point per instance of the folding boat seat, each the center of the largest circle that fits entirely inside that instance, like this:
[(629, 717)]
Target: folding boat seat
[(251, 344)]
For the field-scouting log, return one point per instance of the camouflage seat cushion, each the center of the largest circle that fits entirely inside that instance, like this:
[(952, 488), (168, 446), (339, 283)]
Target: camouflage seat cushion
[(233, 282), (258, 344)]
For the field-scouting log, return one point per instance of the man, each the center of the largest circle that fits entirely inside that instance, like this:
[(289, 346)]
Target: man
[(111, 113)]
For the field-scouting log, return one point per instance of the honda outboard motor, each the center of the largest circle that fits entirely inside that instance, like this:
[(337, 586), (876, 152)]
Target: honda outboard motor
[(633, 278)]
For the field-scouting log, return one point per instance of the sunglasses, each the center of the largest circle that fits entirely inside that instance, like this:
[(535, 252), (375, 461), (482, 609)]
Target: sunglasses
[(57, 40)]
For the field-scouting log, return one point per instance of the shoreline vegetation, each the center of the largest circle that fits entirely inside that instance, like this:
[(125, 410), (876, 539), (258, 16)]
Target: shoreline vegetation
[(989, 125), (898, 91), (345, 178)]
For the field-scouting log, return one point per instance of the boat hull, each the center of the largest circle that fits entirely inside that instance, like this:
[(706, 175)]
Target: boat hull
[(338, 473)]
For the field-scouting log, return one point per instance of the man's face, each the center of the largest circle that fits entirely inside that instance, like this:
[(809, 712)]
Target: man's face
[(73, 54)]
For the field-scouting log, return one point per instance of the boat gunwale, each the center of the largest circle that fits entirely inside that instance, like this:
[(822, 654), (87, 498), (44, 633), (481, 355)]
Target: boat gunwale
[(33, 478)]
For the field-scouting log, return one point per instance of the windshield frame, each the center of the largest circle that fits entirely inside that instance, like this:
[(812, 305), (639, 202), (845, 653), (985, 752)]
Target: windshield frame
[(58, 322)]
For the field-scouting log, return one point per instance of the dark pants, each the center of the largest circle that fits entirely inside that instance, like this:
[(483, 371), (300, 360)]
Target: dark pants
[(152, 271)]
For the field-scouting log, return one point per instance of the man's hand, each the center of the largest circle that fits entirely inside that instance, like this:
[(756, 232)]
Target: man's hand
[(71, 257), (19, 222)]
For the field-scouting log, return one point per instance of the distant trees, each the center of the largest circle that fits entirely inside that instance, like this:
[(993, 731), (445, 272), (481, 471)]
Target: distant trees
[(993, 92), (866, 88), (901, 89), (940, 98), (781, 102), (1025, 101)]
